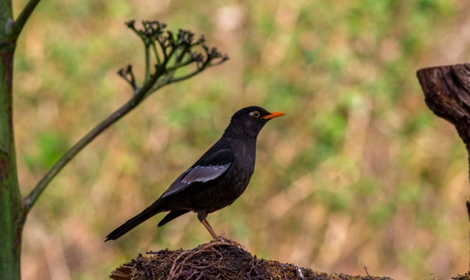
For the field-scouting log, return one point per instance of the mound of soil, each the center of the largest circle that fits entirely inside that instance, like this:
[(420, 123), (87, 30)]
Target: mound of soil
[(220, 259)]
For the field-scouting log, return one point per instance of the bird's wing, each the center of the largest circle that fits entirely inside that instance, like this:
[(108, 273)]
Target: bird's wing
[(210, 167)]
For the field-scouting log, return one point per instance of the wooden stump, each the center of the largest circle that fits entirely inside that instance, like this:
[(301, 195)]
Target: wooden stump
[(447, 94)]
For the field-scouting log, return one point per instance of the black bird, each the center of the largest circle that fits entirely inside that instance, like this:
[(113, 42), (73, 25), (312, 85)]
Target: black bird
[(216, 180)]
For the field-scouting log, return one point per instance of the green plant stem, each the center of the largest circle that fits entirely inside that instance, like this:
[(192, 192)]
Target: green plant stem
[(199, 70), (23, 17), (179, 79), (155, 81), (155, 52), (150, 86), (12, 215), (147, 62), (32, 198), (176, 66)]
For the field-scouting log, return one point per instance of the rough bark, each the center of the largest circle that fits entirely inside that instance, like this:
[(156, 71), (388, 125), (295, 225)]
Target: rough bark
[(447, 94)]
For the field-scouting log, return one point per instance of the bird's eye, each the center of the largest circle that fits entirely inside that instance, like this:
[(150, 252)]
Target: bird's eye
[(255, 114)]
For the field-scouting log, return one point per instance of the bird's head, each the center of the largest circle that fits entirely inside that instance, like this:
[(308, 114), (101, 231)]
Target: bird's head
[(249, 121)]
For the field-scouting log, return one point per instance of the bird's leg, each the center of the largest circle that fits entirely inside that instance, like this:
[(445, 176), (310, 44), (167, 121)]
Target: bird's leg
[(202, 218), (209, 228)]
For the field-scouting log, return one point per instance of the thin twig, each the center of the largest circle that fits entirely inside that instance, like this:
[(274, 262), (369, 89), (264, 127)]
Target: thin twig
[(155, 52), (165, 80), (31, 199), (23, 17), (367, 272), (182, 64), (179, 57), (147, 62), (199, 70), (130, 24), (179, 79), (177, 267)]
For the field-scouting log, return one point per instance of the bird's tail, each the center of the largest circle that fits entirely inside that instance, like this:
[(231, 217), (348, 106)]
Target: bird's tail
[(132, 223)]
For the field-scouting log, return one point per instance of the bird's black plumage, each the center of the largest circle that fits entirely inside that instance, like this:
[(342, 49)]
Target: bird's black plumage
[(216, 180)]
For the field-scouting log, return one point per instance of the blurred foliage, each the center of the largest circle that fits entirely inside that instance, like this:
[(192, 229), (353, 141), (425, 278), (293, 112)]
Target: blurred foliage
[(359, 173)]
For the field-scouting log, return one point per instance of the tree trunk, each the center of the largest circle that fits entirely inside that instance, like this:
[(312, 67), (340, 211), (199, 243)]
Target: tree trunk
[(447, 94), (11, 203)]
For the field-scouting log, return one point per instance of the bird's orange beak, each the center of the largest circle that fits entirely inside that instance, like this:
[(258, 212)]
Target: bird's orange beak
[(273, 115)]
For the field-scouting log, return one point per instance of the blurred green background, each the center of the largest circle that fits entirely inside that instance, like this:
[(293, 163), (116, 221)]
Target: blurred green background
[(359, 173)]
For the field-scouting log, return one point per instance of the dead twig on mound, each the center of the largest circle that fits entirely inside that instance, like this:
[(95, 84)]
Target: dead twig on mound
[(175, 270)]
